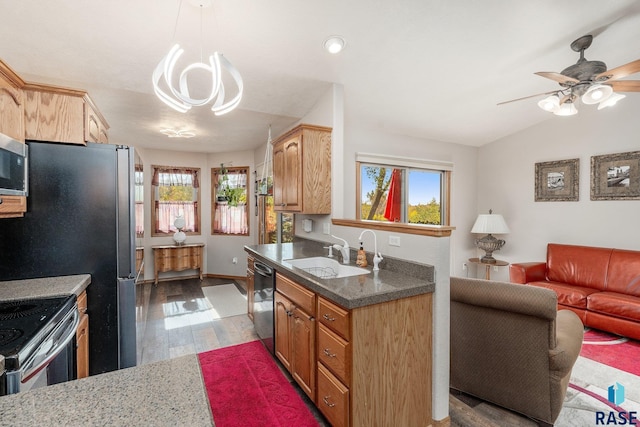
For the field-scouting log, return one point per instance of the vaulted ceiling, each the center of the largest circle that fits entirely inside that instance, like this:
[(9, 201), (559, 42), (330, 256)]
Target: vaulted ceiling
[(433, 69)]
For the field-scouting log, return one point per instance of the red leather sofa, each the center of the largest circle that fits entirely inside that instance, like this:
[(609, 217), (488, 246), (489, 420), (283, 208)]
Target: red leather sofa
[(601, 285)]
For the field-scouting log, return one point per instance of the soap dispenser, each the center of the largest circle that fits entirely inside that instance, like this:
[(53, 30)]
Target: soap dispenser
[(361, 259)]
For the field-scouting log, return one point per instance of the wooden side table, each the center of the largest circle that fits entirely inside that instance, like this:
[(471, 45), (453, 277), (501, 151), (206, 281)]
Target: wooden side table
[(177, 258), (487, 266)]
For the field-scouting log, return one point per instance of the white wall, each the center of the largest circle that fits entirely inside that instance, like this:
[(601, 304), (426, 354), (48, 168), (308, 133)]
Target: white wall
[(506, 183)]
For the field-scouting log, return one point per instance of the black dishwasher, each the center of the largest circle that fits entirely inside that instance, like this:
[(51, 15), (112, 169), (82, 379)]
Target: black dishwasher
[(264, 285)]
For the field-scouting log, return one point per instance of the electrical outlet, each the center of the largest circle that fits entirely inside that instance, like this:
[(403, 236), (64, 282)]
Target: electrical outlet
[(495, 268), (235, 260), (394, 240), (464, 266), (326, 228)]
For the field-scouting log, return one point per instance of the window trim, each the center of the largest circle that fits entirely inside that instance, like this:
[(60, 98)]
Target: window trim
[(154, 213), (444, 167), (215, 172)]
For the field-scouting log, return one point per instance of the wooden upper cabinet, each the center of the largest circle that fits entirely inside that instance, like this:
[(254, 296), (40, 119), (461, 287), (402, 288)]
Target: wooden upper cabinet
[(57, 114), (11, 104), (302, 170)]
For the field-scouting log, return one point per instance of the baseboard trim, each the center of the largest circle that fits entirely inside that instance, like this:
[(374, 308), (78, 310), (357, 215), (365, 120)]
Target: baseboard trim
[(445, 422)]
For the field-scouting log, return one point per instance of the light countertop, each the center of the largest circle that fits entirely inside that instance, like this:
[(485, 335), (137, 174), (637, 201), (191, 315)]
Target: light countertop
[(43, 288), (166, 393), (396, 279)]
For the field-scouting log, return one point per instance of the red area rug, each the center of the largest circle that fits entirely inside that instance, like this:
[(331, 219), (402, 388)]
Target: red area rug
[(612, 350), (246, 388)]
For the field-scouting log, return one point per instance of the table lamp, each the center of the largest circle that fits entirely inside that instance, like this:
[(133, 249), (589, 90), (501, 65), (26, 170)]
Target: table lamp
[(491, 224)]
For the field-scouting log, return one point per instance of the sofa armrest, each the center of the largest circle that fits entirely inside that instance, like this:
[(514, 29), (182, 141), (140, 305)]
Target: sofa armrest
[(569, 335), (527, 272)]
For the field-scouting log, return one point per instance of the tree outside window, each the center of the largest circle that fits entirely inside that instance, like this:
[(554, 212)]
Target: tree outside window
[(176, 192), (401, 194)]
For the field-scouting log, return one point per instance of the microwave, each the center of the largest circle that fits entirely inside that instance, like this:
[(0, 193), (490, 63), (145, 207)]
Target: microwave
[(14, 171)]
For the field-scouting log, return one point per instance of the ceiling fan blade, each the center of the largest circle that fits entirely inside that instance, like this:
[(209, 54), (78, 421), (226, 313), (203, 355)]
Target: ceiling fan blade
[(527, 97), (625, 85), (557, 77), (619, 72)]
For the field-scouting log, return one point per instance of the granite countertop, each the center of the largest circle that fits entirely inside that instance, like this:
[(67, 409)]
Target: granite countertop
[(396, 279), (43, 288), (166, 393)]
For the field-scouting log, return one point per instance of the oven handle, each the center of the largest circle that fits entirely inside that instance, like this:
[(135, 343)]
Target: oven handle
[(58, 345)]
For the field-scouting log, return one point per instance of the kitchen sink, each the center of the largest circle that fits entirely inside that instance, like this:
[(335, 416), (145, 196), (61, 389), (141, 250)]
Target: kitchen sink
[(326, 268)]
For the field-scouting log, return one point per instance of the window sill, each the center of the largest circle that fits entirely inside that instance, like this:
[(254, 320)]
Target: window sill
[(417, 229)]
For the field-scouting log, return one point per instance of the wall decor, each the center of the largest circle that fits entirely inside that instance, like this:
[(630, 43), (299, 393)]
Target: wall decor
[(616, 176), (558, 181)]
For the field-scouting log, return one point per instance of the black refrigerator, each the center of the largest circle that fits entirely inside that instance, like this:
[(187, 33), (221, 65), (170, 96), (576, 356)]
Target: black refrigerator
[(80, 220)]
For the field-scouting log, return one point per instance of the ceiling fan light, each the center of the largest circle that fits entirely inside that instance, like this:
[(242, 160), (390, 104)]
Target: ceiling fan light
[(550, 103), (566, 109), (597, 93), (611, 101)]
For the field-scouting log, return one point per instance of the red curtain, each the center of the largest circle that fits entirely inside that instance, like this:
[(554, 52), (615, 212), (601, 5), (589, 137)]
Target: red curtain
[(393, 209)]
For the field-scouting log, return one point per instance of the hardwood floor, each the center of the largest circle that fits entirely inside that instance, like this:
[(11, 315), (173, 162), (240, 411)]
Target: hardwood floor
[(172, 321)]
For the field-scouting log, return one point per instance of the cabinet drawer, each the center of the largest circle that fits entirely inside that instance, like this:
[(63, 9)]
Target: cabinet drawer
[(11, 206), (334, 352), (336, 318), (82, 303), (333, 398), (301, 297)]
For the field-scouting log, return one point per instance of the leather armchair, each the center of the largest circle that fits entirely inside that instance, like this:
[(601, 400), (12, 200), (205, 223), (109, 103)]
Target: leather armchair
[(510, 346)]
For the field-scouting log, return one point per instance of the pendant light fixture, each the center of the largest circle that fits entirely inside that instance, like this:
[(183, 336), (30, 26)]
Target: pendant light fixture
[(179, 98)]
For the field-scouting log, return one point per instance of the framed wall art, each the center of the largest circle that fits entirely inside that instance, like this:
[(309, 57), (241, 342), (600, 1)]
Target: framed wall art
[(616, 176), (557, 181)]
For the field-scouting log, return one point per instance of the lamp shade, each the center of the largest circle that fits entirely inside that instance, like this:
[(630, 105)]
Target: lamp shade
[(597, 93), (490, 224)]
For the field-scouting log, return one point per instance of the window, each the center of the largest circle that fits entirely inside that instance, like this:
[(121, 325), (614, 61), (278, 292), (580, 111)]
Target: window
[(176, 192), (403, 193), (139, 200), (229, 196)]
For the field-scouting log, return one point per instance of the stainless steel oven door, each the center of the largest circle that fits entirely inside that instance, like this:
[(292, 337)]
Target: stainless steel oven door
[(33, 372)]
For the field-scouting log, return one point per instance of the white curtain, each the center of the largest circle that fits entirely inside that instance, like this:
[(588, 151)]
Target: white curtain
[(230, 219), (169, 211)]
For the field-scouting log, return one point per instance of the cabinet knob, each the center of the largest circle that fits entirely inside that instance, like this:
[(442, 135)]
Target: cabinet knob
[(328, 318), (328, 353), (326, 402)]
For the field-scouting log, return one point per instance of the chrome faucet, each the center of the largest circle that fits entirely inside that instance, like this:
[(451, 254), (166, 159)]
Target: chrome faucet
[(344, 250), (377, 256)]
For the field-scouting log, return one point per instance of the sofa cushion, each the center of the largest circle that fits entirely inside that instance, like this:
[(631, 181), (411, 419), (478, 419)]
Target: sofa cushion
[(624, 272), (578, 265), (569, 295), (615, 304)]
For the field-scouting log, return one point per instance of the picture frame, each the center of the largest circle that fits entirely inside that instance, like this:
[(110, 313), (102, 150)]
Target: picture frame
[(557, 181), (616, 176)]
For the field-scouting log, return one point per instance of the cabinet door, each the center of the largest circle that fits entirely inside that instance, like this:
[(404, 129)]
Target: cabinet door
[(293, 174), (304, 360), (82, 347), (250, 291), (282, 310), (11, 110), (278, 177)]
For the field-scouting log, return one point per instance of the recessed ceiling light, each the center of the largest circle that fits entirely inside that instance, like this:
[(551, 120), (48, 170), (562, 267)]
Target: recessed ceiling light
[(174, 133), (334, 44)]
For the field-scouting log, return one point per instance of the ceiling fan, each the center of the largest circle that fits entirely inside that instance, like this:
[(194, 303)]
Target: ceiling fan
[(589, 81)]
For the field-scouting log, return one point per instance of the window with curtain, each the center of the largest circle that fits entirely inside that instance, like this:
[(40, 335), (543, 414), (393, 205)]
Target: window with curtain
[(139, 200), (396, 193), (229, 198), (176, 192)]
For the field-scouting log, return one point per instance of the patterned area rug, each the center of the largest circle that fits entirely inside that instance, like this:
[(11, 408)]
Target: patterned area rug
[(246, 389), (604, 380)]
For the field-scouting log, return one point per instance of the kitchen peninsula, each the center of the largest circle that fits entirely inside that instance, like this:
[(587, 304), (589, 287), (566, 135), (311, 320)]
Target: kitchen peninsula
[(359, 346)]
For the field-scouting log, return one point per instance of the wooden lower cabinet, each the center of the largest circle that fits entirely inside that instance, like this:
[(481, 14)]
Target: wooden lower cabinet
[(372, 365), (82, 338), (250, 287), (295, 331), (177, 258), (12, 206)]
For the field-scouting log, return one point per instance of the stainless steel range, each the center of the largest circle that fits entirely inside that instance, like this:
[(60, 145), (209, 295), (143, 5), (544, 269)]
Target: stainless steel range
[(37, 341)]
